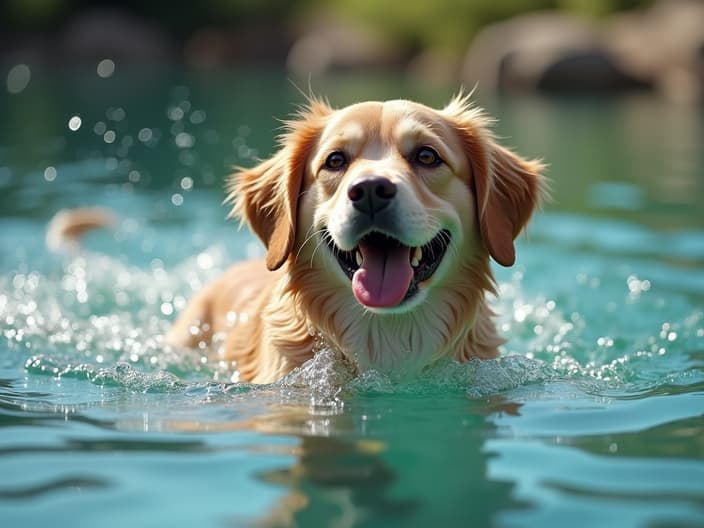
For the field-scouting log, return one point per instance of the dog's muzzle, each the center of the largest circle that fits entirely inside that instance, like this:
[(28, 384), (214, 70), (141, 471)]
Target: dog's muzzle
[(385, 272)]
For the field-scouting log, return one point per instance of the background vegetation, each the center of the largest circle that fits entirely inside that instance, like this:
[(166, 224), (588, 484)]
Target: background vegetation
[(413, 24)]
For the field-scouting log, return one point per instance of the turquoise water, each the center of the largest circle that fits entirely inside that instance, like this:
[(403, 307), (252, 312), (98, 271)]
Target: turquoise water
[(593, 416)]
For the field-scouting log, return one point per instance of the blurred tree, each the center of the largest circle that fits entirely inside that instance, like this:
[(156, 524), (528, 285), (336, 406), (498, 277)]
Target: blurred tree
[(453, 23), (415, 24), (599, 7), (33, 15)]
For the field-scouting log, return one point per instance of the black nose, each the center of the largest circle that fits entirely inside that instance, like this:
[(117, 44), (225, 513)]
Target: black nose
[(371, 195)]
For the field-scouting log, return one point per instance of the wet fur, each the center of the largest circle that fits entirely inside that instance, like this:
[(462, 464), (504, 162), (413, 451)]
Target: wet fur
[(303, 298)]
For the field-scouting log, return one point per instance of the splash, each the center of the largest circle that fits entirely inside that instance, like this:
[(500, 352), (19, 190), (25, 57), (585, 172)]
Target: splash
[(103, 321), (119, 375)]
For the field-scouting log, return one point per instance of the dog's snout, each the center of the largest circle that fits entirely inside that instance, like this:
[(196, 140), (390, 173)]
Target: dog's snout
[(371, 195)]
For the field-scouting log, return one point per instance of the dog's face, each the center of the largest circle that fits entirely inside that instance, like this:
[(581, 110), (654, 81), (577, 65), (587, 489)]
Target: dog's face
[(388, 193), (391, 205)]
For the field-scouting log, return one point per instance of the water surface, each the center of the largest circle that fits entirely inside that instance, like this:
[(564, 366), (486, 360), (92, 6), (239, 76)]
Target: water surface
[(592, 416)]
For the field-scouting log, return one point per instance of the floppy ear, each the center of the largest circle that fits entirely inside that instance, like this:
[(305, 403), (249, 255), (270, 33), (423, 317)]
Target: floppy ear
[(507, 194), (266, 196), (507, 188)]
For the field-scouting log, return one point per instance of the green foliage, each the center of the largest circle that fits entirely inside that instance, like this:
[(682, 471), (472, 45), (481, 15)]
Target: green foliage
[(453, 23), (599, 8), (32, 14), (449, 24)]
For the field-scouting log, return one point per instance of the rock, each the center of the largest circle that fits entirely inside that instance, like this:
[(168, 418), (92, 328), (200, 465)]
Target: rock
[(435, 67), (663, 45), (546, 51), (117, 34), (330, 45), (257, 43)]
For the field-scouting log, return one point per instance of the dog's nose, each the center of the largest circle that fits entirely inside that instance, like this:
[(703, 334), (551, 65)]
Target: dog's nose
[(371, 195)]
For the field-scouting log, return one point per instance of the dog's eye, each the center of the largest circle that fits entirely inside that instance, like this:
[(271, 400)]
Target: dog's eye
[(427, 157), (336, 161)]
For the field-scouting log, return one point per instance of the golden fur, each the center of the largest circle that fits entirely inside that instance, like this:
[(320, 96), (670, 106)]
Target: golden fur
[(481, 193)]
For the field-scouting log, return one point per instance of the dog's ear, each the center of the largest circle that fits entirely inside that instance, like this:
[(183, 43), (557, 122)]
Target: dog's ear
[(266, 196), (507, 193), (507, 188)]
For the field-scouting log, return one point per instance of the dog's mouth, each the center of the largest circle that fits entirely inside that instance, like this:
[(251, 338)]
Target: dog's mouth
[(384, 271)]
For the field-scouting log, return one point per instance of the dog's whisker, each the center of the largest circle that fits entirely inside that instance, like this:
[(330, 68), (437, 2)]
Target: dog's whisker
[(324, 238), (449, 243), (321, 241), (319, 235), (309, 237), (312, 256)]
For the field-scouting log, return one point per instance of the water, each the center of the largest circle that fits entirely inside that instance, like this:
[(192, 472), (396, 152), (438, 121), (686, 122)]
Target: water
[(592, 416)]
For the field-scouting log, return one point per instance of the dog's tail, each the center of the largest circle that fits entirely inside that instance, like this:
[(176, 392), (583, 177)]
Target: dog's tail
[(66, 227)]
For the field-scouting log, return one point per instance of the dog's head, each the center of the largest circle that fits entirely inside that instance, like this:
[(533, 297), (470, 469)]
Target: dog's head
[(388, 198)]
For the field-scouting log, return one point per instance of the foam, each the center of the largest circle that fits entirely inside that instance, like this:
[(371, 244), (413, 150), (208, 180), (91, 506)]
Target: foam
[(101, 320)]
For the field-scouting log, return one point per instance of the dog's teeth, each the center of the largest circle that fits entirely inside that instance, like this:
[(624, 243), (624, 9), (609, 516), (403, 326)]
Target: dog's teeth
[(417, 256), (358, 257)]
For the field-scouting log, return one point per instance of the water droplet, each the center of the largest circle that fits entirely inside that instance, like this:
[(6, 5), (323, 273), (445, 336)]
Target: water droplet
[(145, 135), (100, 128), (74, 123), (205, 261), (186, 183), (115, 114), (106, 68), (175, 113), (184, 140), (605, 342), (18, 78), (50, 173), (109, 136), (177, 199), (197, 117)]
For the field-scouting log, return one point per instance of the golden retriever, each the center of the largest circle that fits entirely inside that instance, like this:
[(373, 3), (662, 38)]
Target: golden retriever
[(379, 220)]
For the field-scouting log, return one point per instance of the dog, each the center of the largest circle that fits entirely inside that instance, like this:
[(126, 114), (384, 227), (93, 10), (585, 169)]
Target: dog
[(379, 221)]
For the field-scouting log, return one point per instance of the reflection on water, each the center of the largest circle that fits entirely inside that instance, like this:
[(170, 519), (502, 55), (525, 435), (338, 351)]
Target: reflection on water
[(593, 414), (636, 158)]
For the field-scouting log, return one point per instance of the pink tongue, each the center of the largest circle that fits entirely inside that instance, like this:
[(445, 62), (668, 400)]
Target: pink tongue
[(384, 276)]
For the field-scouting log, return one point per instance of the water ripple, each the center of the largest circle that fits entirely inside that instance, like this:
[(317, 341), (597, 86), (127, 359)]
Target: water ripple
[(55, 486)]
